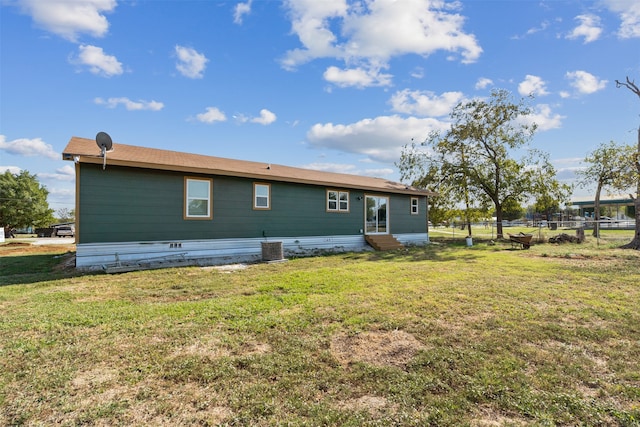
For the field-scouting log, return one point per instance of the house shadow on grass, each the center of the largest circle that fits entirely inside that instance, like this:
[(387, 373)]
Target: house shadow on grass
[(440, 251), (33, 268)]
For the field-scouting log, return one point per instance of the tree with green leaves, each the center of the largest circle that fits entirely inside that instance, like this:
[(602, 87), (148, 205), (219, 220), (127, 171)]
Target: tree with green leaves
[(512, 210), (608, 169), (23, 201), (451, 189), (634, 171), (548, 192), (477, 152), (545, 207)]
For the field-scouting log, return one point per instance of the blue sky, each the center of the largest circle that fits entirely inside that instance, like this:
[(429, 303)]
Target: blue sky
[(331, 85)]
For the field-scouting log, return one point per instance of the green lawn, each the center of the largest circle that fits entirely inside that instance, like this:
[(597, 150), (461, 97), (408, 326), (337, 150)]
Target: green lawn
[(442, 335)]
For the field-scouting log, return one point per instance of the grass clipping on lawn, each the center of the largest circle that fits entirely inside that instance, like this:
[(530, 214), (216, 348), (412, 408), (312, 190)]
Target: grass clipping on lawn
[(443, 335)]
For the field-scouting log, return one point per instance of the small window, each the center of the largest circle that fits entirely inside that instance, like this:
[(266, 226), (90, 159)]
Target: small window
[(337, 201), (261, 196), (415, 202), (197, 198)]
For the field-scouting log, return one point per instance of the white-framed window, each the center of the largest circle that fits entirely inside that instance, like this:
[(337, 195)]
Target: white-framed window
[(197, 198), (415, 202), (261, 196), (337, 201)]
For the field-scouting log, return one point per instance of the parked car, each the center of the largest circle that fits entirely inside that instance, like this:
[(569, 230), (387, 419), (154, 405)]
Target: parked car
[(65, 230)]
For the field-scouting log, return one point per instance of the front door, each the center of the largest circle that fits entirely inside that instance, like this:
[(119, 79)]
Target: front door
[(376, 215)]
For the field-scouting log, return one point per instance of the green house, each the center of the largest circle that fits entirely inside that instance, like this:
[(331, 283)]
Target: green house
[(135, 204)]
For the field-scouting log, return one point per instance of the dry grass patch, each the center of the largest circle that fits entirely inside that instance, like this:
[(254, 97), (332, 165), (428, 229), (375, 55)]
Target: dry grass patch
[(489, 417), (371, 404), (148, 402), (210, 347), (93, 378), (378, 348), (25, 248)]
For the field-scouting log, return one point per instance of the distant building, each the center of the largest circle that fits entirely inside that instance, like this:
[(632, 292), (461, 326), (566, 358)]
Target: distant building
[(617, 206)]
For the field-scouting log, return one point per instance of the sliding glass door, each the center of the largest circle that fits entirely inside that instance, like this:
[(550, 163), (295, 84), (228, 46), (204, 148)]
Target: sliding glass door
[(376, 215)]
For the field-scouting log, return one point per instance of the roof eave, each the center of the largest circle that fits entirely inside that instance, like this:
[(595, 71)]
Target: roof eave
[(93, 159)]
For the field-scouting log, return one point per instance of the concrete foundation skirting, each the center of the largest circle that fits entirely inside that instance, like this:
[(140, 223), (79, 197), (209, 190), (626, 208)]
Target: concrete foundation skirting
[(96, 256)]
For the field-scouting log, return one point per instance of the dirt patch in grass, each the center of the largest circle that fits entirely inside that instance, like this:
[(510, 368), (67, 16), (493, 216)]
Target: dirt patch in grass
[(370, 404), (24, 248), (488, 417), (13, 245), (378, 348), (213, 348), (149, 402), (208, 348), (94, 378)]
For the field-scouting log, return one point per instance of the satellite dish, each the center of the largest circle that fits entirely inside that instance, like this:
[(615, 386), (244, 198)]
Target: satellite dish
[(103, 140)]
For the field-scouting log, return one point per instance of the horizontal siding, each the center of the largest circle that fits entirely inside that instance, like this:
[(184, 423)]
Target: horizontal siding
[(401, 219), (129, 204), (124, 204)]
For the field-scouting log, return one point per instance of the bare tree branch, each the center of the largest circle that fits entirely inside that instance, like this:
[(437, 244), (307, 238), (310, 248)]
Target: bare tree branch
[(629, 84)]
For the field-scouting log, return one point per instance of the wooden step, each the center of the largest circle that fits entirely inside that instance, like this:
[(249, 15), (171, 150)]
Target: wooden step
[(383, 242)]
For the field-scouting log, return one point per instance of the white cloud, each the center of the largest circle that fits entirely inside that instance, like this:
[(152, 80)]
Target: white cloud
[(381, 138), (569, 163), (584, 82), (99, 63), (366, 35), (348, 169), (417, 73), (425, 103), (62, 192), (483, 83), (358, 77), (212, 115), (532, 85), (240, 10), (629, 11), (310, 22), (566, 170), (13, 169), (332, 167), (129, 104), (382, 172), (65, 173), (266, 117), (28, 148), (190, 63), (589, 28), (543, 26), (544, 118), (68, 18), (241, 118)]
